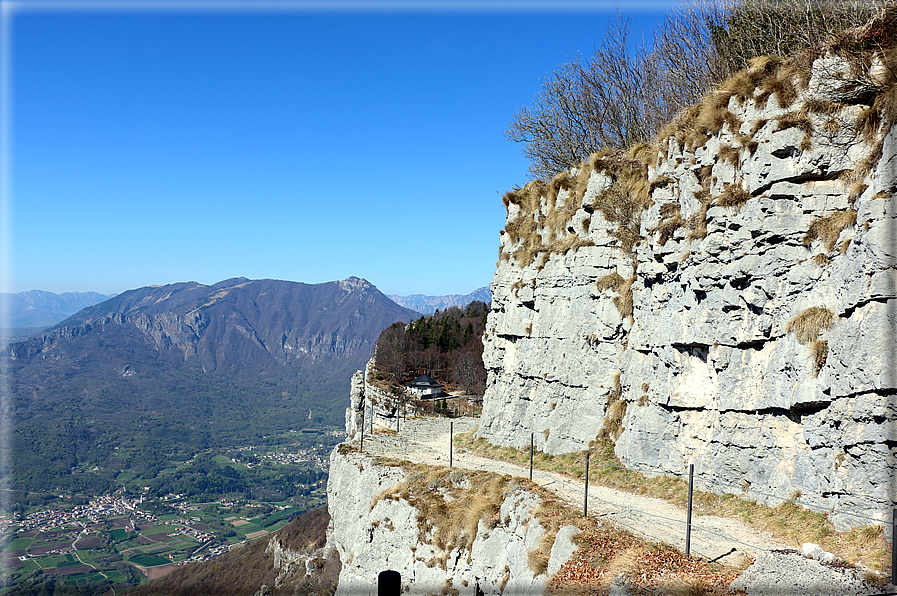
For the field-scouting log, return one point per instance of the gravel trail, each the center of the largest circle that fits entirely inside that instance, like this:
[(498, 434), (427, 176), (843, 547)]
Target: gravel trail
[(778, 570), (426, 440)]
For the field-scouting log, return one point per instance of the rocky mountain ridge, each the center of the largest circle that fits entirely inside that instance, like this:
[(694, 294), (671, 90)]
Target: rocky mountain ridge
[(38, 308), (170, 370), (429, 304), (239, 322)]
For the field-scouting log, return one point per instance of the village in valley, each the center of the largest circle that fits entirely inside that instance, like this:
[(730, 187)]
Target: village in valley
[(134, 533)]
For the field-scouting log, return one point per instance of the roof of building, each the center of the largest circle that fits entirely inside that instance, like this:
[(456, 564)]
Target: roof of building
[(424, 381)]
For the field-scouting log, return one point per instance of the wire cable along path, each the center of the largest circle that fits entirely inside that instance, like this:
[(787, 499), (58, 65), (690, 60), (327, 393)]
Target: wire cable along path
[(427, 440)]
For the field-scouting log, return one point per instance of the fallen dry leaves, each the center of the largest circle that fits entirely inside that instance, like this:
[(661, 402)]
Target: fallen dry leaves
[(606, 553)]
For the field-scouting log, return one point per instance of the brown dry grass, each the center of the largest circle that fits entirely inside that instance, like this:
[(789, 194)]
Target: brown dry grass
[(763, 77), (729, 153), (614, 412), (612, 281), (452, 522), (820, 353), (829, 228), (733, 196), (810, 323), (697, 222), (543, 227), (625, 300), (622, 204), (670, 221)]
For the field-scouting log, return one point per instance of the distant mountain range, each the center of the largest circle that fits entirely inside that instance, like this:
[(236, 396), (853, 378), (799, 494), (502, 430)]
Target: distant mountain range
[(430, 304), (159, 372), (37, 308)]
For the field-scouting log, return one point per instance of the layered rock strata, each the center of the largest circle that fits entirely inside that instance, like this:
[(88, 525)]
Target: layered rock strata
[(724, 298)]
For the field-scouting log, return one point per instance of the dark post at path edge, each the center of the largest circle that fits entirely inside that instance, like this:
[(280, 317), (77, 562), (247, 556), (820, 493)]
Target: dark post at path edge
[(389, 583)]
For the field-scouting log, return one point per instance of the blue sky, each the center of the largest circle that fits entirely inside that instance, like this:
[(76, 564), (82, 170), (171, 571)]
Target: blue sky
[(150, 143)]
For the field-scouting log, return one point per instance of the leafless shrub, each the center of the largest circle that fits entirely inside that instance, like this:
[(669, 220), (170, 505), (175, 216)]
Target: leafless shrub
[(621, 96), (586, 105)]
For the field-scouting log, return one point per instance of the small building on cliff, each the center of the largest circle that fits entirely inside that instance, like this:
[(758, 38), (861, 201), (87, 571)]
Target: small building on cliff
[(425, 387)]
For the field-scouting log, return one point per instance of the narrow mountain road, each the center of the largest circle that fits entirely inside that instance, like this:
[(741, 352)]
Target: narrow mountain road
[(426, 440)]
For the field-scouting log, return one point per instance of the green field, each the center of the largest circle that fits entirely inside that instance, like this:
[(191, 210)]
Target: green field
[(18, 544), (150, 560), (83, 579)]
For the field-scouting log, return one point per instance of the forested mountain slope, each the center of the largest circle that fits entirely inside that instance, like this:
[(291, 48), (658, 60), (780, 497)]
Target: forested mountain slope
[(159, 372)]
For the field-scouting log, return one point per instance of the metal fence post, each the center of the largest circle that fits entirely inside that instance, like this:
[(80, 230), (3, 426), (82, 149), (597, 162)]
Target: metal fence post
[(585, 501), (451, 440), (691, 484), (894, 549), (531, 456)]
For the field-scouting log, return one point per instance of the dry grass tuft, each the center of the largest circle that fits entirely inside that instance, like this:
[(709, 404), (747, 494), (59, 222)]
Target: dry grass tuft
[(733, 195), (697, 222), (868, 123), (729, 153), (855, 192), (820, 353), (810, 323), (829, 228), (542, 226), (844, 245), (614, 412), (664, 180), (764, 77), (622, 204), (449, 516), (346, 449), (624, 302), (671, 220), (611, 281)]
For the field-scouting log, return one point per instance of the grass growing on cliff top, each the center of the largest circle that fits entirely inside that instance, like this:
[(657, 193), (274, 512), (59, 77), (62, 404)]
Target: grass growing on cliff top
[(449, 523), (787, 522)]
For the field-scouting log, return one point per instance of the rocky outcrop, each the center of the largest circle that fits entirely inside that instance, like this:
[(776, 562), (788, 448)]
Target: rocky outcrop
[(355, 411), (295, 568), (376, 527), (724, 298)]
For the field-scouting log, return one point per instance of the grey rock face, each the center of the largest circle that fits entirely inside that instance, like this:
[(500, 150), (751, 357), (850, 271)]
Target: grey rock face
[(373, 534), (355, 411), (710, 367)]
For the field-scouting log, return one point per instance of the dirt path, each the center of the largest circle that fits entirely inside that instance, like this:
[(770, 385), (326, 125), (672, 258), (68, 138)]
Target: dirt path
[(426, 440)]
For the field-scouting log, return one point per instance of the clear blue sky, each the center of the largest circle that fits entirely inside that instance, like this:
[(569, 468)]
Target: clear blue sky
[(303, 141)]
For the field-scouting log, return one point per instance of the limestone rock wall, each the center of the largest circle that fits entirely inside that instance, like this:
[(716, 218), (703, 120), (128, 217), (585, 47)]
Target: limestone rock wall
[(373, 534), (366, 398), (783, 208)]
